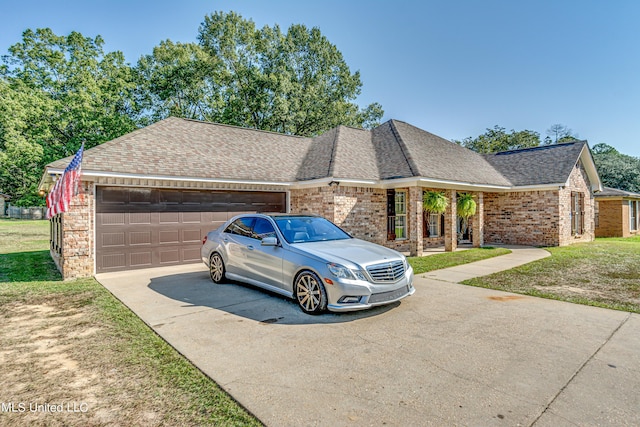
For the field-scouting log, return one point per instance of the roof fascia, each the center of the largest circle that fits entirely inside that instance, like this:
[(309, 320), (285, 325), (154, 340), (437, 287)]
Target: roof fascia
[(97, 174)]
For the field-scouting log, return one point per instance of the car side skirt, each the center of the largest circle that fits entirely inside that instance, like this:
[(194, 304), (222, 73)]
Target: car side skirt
[(258, 284)]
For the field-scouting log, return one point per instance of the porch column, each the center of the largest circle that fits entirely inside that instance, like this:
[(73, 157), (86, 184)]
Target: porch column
[(451, 223), (416, 244), (478, 222)]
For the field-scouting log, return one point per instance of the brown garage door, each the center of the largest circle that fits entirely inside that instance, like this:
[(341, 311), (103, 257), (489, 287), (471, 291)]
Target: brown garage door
[(141, 227)]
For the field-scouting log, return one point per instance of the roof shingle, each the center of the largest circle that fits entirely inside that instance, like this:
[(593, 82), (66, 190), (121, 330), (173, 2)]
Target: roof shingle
[(185, 148)]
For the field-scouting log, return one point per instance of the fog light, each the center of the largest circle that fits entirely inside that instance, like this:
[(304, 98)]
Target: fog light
[(349, 300)]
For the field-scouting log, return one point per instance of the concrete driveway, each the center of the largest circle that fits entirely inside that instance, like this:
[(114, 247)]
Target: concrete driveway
[(449, 355)]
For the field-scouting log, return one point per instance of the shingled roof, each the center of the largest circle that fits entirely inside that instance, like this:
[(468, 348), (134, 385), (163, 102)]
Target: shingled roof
[(177, 147), (547, 164), (189, 149), (609, 192)]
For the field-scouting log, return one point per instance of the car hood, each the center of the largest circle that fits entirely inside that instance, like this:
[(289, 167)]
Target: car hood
[(351, 251)]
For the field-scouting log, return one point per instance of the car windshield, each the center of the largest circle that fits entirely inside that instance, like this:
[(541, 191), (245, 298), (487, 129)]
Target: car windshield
[(309, 229)]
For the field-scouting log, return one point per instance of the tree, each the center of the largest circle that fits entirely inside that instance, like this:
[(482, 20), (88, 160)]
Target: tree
[(178, 80), (56, 92), (559, 133), (295, 82), (617, 170), (497, 139)]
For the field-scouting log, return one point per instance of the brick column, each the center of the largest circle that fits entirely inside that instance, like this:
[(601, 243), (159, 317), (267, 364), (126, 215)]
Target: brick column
[(478, 222), (77, 258), (415, 211), (451, 223)]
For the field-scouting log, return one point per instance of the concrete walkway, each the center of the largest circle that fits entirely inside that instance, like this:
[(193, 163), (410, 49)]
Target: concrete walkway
[(448, 355), (519, 255)]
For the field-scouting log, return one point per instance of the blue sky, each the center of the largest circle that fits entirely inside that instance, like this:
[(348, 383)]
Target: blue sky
[(453, 68)]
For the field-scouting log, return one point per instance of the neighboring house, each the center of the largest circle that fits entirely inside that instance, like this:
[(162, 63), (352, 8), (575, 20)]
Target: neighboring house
[(617, 213), (149, 196)]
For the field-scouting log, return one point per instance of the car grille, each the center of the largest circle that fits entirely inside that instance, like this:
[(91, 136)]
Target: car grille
[(389, 296), (386, 272)]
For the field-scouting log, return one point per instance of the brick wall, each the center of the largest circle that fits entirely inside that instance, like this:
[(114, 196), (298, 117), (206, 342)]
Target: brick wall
[(578, 182), (77, 258), (539, 218), (360, 211), (522, 218)]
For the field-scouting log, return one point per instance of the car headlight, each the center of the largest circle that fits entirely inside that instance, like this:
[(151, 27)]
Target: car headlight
[(406, 263), (342, 272)]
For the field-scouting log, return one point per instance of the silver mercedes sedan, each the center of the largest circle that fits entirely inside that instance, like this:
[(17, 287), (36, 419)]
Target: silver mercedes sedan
[(309, 259)]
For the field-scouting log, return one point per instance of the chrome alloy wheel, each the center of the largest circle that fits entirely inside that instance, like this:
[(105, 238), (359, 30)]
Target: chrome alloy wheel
[(216, 268), (310, 293)]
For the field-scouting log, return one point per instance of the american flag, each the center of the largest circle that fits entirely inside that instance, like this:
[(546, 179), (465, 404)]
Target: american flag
[(66, 187)]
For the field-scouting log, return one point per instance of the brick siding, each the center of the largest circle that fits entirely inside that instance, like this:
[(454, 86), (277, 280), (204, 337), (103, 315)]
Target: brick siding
[(77, 258)]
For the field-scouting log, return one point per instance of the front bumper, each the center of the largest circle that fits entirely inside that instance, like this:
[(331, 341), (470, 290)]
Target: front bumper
[(370, 294)]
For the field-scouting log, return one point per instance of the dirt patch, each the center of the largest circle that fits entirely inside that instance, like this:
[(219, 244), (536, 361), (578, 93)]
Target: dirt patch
[(56, 369)]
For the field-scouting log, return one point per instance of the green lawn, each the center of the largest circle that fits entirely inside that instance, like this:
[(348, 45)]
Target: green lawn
[(604, 273), (126, 373), (451, 259)]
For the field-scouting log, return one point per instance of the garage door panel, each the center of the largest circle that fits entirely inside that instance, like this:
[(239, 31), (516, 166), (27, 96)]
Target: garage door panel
[(112, 262), (191, 217), (137, 238), (140, 218), (169, 237), (141, 259), (169, 217), (112, 239), (112, 219), (192, 236), (191, 255), (138, 228), (170, 256)]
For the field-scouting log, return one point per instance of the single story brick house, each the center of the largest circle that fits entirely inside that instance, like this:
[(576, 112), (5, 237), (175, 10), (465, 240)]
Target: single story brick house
[(617, 213), (149, 196)]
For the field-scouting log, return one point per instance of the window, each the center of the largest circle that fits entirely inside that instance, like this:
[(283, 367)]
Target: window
[(434, 224), (396, 215), (401, 214), (55, 233), (634, 211), (263, 228), (241, 226), (577, 213)]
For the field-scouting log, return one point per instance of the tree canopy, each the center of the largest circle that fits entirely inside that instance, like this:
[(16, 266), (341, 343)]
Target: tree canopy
[(617, 170), (55, 92), (497, 139), (295, 82), (58, 91)]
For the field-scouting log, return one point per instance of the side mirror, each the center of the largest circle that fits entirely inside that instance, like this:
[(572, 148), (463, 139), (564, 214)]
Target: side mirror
[(269, 241)]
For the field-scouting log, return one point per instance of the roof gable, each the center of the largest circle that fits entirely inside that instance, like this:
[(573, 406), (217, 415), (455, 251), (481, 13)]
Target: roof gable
[(436, 158), (544, 165)]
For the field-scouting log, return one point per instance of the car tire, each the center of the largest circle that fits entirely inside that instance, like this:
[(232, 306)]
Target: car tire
[(216, 268), (310, 293)]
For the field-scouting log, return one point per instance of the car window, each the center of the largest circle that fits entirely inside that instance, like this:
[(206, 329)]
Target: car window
[(309, 229), (241, 226), (263, 228)]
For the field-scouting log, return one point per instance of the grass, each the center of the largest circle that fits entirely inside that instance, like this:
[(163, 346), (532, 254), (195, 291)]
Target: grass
[(67, 342), (604, 273), (451, 259)]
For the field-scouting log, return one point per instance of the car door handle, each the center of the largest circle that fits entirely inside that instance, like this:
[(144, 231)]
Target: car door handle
[(250, 247)]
